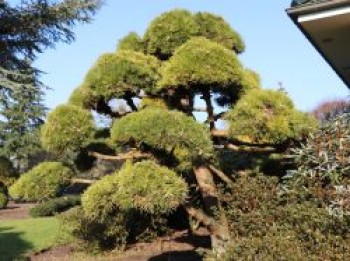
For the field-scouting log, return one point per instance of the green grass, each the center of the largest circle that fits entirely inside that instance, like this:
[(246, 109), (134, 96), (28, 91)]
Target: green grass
[(18, 237)]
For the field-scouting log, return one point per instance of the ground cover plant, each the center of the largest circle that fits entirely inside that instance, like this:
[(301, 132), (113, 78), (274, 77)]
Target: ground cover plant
[(183, 69)]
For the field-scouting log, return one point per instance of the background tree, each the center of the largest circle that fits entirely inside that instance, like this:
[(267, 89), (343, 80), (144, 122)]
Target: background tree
[(27, 29), (329, 110), (187, 60)]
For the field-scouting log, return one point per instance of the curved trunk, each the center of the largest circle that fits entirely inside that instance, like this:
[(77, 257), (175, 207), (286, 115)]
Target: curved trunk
[(220, 233)]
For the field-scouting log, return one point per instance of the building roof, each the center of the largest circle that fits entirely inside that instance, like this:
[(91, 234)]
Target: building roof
[(307, 2), (326, 23)]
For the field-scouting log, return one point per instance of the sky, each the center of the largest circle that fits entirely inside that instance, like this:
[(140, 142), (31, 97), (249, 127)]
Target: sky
[(276, 49)]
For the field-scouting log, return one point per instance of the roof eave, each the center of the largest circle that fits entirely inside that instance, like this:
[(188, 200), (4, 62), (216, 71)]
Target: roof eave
[(295, 12)]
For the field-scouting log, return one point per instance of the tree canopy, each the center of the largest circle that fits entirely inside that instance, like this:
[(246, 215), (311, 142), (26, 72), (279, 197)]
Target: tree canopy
[(26, 29), (181, 66)]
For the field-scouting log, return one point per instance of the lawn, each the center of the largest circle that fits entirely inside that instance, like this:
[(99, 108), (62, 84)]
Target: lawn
[(18, 237)]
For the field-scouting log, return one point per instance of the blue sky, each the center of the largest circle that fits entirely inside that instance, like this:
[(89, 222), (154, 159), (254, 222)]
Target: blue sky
[(276, 49)]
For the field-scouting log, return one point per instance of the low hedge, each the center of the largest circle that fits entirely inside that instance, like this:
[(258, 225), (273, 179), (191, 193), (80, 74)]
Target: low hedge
[(54, 206)]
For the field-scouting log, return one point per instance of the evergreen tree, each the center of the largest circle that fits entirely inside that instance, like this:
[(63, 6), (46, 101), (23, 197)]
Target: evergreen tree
[(182, 56), (26, 30)]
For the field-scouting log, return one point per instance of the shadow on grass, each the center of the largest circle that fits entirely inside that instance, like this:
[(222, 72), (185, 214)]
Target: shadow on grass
[(12, 246)]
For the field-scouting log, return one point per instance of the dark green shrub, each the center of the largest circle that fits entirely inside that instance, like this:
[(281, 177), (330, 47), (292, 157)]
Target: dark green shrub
[(46, 180), (54, 206), (270, 225), (3, 200), (8, 174)]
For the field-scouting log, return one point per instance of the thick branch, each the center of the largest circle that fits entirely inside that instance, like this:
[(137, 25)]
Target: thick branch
[(200, 216), (83, 181), (250, 149), (131, 103), (221, 175), (210, 109), (199, 109), (212, 206), (219, 133), (130, 155)]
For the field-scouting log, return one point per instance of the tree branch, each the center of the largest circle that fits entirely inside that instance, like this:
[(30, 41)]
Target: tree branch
[(83, 181), (130, 103), (129, 155), (210, 109), (250, 149), (221, 175)]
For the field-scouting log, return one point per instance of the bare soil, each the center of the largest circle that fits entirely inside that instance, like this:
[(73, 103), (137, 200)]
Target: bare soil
[(15, 211), (180, 246)]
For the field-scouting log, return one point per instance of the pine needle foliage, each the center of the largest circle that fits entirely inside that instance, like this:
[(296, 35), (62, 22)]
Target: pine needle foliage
[(201, 62), (171, 132), (131, 42), (144, 186), (216, 29), (123, 74), (45, 181), (67, 128), (268, 116), (169, 31)]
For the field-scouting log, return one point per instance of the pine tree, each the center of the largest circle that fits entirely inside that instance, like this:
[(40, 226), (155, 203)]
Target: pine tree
[(26, 30)]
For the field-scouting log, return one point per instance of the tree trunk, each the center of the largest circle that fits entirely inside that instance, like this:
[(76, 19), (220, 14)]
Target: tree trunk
[(210, 109), (220, 234)]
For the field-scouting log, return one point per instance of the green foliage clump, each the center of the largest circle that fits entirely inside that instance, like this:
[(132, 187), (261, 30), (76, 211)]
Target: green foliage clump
[(151, 102), (169, 134), (83, 97), (144, 186), (326, 154), (113, 231), (123, 74), (131, 42), (94, 234), (268, 116), (67, 128), (3, 200), (169, 31), (8, 174), (54, 206), (215, 28), (45, 181), (202, 63), (172, 29)]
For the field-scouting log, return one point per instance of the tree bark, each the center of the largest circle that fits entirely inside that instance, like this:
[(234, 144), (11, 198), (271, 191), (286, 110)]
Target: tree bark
[(250, 149), (220, 236), (131, 103), (221, 175), (210, 109), (131, 155)]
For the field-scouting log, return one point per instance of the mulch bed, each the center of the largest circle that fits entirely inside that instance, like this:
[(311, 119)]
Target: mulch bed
[(15, 211), (181, 245)]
